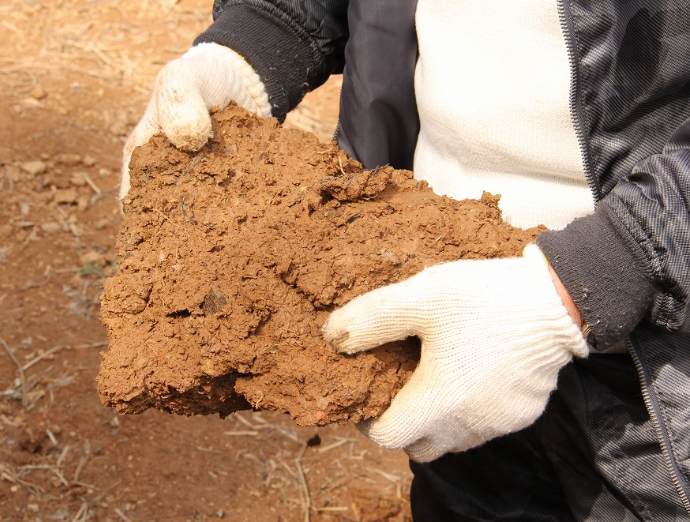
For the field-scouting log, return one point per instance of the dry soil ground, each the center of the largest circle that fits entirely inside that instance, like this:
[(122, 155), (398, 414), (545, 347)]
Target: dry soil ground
[(74, 78)]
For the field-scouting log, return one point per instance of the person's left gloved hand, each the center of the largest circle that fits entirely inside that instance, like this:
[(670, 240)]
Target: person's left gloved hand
[(494, 335)]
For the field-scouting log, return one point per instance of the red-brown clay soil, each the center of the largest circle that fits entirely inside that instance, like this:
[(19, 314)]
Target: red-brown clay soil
[(232, 257)]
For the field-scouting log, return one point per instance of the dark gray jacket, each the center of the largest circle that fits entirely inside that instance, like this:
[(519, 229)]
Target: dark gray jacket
[(627, 266)]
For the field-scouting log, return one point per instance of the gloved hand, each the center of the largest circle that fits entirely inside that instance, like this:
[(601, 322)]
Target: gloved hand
[(207, 75), (494, 335)]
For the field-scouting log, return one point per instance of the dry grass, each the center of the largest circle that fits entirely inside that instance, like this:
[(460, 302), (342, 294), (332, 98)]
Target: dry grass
[(69, 36), (137, 40)]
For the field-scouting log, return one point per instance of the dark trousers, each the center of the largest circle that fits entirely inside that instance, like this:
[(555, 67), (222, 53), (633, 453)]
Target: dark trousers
[(592, 456)]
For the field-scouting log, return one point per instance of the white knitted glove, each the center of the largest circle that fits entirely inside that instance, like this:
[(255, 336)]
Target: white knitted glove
[(494, 335), (207, 75)]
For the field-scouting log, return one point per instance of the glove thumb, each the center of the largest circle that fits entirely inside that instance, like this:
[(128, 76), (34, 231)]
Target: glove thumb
[(372, 319)]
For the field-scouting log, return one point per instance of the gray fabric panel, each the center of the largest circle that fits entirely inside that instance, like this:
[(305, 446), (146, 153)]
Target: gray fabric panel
[(634, 79), (654, 204), (593, 456), (378, 116), (632, 97), (665, 358)]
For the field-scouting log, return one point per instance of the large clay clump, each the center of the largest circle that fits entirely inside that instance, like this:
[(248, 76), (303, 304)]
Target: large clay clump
[(231, 259)]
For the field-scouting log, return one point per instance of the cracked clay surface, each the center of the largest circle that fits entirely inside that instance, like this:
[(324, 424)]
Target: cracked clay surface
[(231, 258)]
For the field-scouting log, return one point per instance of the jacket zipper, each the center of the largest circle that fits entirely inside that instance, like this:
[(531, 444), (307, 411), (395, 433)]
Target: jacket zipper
[(659, 428), (578, 114)]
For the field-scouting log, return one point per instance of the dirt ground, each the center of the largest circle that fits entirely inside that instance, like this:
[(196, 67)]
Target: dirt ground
[(74, 79)]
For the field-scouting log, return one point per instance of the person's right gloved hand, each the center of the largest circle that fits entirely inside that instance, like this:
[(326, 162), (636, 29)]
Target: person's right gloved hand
[(207, 75)]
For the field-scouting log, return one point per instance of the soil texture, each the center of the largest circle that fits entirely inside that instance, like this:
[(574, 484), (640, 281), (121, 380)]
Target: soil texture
[(231, 258)]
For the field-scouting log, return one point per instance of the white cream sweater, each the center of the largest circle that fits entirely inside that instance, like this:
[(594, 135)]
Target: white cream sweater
[(492, 86)]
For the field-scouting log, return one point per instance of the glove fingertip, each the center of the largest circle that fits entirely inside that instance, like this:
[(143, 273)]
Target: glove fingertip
[(338, 336), (335, 339), (190, 132)]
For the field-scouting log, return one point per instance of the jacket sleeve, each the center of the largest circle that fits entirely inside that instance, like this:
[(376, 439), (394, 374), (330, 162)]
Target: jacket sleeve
[(293, 45), (630, 260)]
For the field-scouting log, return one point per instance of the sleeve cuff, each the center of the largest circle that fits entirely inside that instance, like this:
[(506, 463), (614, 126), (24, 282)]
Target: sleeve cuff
[(287, 65), (605, 272)]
